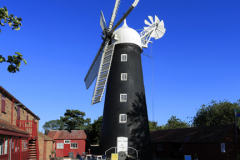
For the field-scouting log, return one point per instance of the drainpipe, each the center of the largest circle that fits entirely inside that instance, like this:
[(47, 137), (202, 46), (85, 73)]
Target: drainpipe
[(12, 111), (20, 158)]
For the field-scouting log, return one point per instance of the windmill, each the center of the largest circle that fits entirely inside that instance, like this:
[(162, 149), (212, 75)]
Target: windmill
[(117, 67)]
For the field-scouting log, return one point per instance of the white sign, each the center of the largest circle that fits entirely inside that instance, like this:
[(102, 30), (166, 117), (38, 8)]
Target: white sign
[(122, 144), (223, 147)]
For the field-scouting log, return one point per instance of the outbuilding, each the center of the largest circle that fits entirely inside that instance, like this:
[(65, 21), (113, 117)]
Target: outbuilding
[(75, 141), (209, 142)]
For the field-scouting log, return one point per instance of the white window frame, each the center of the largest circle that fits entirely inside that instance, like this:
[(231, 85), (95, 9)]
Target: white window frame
[(74, 147), (123, 76), (121, 97), (120, 118), (6, 146), (59, 145), (67, 141), (1, 145), (122, 57)]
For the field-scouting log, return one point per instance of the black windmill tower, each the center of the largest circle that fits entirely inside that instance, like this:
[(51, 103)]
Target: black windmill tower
[(117, 66)]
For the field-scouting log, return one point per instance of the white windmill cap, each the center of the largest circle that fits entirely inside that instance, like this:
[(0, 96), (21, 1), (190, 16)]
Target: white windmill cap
[(126, 35)]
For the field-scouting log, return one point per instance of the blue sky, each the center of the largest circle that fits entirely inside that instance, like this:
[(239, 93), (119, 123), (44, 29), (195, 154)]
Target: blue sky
[(196, 61)]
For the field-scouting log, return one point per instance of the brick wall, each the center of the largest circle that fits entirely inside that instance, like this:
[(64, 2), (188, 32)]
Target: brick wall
[(8, 106), (48, 149), (8, 114), (41, 147), (45, 147)]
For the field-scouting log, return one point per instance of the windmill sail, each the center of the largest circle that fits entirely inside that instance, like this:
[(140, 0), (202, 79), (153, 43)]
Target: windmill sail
[(155, 30), (115, 9), (98, 66), (103, 23), (103, 74), (93, 70), (125, 15)]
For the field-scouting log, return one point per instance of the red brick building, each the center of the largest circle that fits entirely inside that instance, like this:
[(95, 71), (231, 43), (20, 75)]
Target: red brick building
[(75, 141), (211, 142), (19, 136), (18, 131)]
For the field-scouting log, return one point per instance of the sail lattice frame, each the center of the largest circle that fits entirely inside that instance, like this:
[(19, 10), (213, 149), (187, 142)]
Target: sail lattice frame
[(103, 74)]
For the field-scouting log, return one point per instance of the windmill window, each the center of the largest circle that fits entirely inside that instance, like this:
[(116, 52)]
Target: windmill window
[(124, 57), (122, 118), (123, 97), (123, 76)]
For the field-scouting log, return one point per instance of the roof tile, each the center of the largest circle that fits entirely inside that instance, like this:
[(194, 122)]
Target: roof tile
[(65, 134), (5, 125), (194, 134)]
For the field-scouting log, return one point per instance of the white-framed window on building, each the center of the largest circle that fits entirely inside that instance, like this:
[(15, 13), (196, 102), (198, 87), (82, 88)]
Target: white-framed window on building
[(66, 141), (123, 76), (160, 147), (25, 145), (6, 146), (60, 146), (123, 97), (122, 118), (124, 57), (74, 145), (1, 145)]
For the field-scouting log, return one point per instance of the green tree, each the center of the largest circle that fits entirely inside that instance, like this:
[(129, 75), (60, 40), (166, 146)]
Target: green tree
[(96, 130), (172, 123), (14, 22), (74, 120), (175, 123), (54, 125), (86, 126), (153, 126), (216, 114)]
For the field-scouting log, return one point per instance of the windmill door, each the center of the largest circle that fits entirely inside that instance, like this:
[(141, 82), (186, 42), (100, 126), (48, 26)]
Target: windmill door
[(122, 144)]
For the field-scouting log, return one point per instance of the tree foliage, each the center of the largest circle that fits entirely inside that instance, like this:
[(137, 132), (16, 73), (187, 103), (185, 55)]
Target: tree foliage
[(153, 126), (54, 125), (216, 114), (176, 123), (14, 22), (172, 123), (74, 120), (96, 130)]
